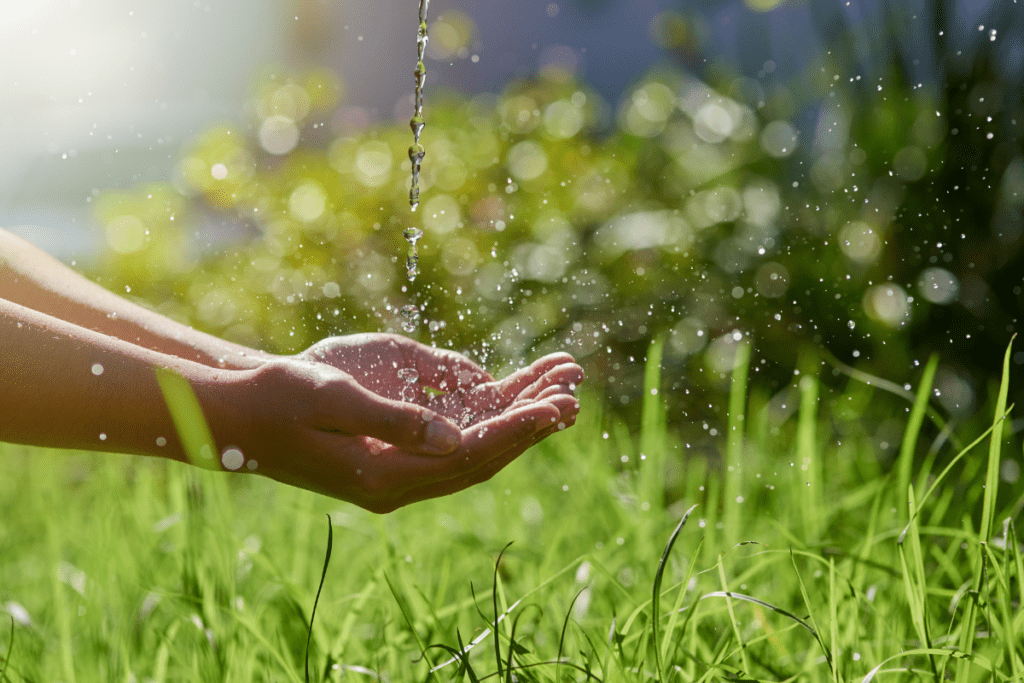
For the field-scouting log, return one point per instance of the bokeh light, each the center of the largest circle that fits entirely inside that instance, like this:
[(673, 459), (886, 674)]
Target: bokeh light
[(126, 234), (888, 304), (779, 139), (938, 285)]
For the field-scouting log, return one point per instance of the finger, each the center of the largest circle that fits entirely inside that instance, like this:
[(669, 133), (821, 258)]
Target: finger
[(565, 374), (568, 408), (521, 379), (511, 447), (355, 411), (488, 439), (566, 404), (497, 395), (555, 390), (546, 395), (565, 420), (480, 444)]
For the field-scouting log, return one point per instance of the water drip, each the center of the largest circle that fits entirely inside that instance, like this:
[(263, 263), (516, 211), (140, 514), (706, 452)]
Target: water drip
[(409, 376), (410, 317), (412, 259)]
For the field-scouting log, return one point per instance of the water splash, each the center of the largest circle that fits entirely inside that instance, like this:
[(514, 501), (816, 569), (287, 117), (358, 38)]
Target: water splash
[(409, 376), (410, 317)]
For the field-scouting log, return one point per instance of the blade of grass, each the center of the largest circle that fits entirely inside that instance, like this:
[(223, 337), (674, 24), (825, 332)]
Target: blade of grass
[(515, 648), (323, 578), (833, 614), (652, 443), (61, 607), (810, 611), (959, 456), (1005, 609), (995, 451), (732, 618), (407, 614), (494, 603), (1018, 557), (677, 607), (163, 653), (807, 474), (977, 660), (987, 509), (565, 627), (914, 582), (486, 633), (352, 614), (10, 649), (891, 387), (187, 415), (464, 663), (734, 446), (766, 605), (912, 431), (974, 599), (659, 574)]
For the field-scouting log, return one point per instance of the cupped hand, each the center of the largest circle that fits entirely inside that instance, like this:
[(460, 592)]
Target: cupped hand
[(339, 419), (444, 381)]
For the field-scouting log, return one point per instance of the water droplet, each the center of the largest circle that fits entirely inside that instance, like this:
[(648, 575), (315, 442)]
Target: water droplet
[(416, 123), (409, 376), (410, 317), (412, 235), (416, 154), (412, 259)]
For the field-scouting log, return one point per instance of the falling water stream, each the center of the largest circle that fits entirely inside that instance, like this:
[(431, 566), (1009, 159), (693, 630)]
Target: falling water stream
[(411, 312)]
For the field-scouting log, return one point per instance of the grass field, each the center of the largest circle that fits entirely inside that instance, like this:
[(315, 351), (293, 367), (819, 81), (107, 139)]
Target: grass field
[(802, 559)]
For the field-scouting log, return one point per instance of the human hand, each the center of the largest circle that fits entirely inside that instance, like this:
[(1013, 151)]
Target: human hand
[(447, 382), (333, 420)]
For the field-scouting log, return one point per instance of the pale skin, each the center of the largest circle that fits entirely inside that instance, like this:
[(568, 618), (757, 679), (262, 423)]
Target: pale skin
[(78, 370)]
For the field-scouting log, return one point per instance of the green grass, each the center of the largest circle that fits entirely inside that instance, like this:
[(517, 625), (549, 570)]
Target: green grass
[(801, 558)]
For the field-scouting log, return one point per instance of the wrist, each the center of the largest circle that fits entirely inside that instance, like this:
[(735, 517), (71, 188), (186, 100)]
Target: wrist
[(247, 412), (208, 410)]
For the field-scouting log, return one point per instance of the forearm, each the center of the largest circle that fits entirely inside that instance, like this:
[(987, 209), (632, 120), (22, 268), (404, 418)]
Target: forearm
[(34, 279), (69, 387)]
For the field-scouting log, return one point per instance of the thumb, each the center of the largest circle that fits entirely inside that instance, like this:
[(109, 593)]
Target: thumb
[(403, 424)]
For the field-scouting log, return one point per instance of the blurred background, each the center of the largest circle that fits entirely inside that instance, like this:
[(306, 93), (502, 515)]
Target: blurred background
[(111, 90), (837, 183)]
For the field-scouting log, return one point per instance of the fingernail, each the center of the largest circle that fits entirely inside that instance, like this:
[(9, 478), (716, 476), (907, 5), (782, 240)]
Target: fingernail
[(442, 436)]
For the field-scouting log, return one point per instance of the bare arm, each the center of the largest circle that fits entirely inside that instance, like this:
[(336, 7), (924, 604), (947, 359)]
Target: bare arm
[(299, 420), (68, 387), (34, 279)]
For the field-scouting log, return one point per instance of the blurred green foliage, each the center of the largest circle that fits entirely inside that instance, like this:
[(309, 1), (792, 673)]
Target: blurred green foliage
[(824, 211)]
